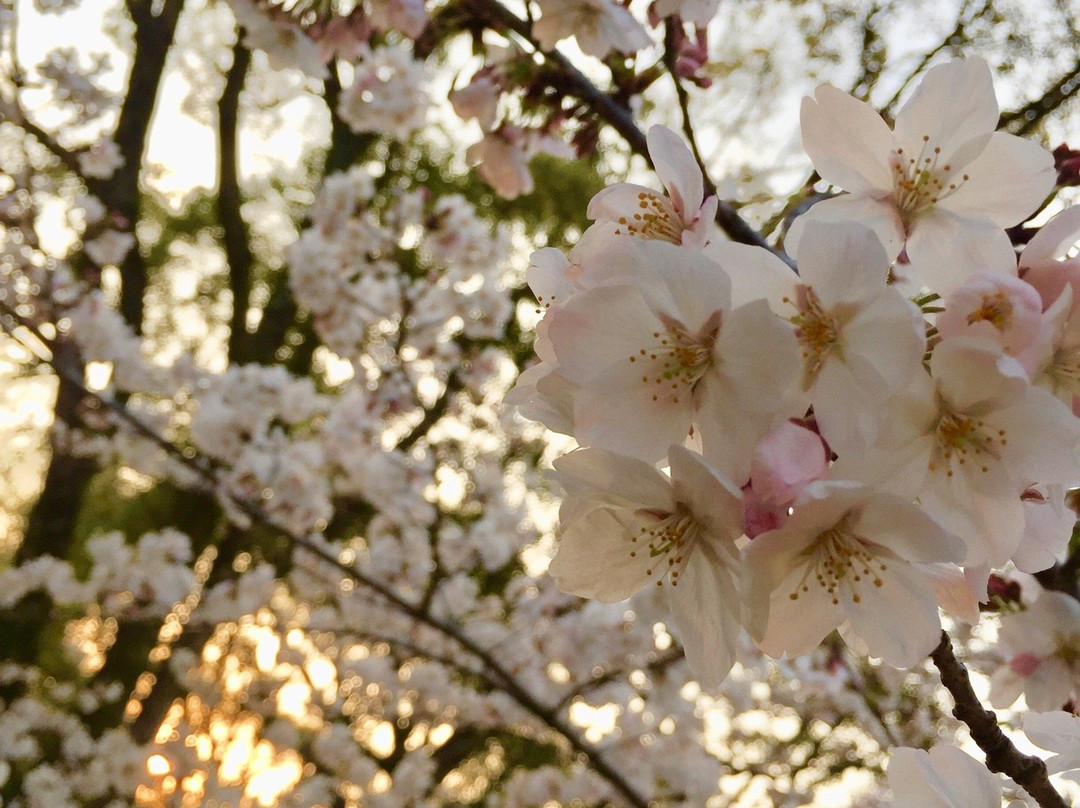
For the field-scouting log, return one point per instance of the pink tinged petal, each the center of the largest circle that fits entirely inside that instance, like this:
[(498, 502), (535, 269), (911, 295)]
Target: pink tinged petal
[(712, 498), (1024, 664), (680, 283), (784, 461), (798, 626), (848, 396), (954, 103), (898, 620), (759, 356), (946, 248), (887, 340), (705, 611), (982, 508), (1055, 731), (1053, 240), (1006, 183), (613, 479), (878, 213), (542, 394), (1050, 686), (678, 170), (594, 561), (953, 592), (843, 263), (847, 141), (547, 276)]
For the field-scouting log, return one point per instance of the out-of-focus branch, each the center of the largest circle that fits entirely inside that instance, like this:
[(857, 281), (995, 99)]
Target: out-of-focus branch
[(207, 470), (1026, 119), (1001, 755), (236, 238)]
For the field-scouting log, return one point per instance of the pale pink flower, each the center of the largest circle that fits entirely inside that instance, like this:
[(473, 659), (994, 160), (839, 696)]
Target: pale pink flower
[(478, 99), (999, 308), (940, 186), (1045, 262), (600, 26), (967, 441), (846, 558), (502, 162), (862, 341), (407, 16), (625, 525), (664, 351), (943, 777), (101, 160), (1042, 646), (681, 217), (784, 462)]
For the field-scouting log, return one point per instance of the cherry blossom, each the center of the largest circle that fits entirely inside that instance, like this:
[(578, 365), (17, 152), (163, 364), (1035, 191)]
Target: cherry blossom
[(599, 26), (1041, 647), (968, 440), (624, 525), (654, 358), (861, 340), (940, 186), (846, 558), (682, 217)]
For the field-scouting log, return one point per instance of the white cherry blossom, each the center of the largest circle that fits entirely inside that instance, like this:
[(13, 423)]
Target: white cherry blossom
[(625, 525), (862, 340), (846, 558), (684, 216), (940, 186), (655, 356)]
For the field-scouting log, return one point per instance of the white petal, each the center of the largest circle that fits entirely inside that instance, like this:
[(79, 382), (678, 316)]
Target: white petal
[(907, 531), (945, 249), (844, 263), (1054, 239), (613, 479), (899, 619), (713, 499), (594, 561), (1007, 182), (705, 608), (847, 141), (954, 103), (879, 214), (677, 169)]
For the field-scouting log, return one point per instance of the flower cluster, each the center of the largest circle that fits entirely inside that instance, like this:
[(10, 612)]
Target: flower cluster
[(846, 446)]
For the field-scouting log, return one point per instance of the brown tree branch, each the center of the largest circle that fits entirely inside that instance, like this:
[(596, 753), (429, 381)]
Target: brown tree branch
[(1001, 755), (236, 238)]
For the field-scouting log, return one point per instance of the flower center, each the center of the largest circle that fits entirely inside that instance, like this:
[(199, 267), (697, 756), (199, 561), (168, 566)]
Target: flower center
[(837, 556), (655, 219), (668, 538), (996, 309), (919, 182), (965, 438), (818, 332), (680, 358)]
